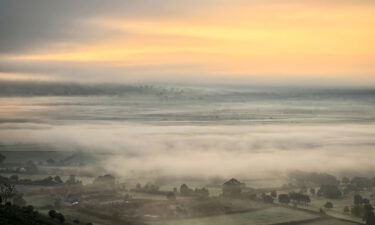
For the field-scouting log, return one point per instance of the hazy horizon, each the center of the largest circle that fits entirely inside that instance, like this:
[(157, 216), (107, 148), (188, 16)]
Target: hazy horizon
[(198, 131)]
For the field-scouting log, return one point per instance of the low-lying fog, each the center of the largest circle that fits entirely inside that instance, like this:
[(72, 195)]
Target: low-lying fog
[(202, 132)]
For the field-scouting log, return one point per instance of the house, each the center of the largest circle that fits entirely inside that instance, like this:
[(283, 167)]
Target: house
[(232, 188)]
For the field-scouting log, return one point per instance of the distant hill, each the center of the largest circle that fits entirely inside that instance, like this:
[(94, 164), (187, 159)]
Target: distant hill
[(25, 88)]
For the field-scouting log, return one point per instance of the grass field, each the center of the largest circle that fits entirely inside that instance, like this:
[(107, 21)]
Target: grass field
[(259, 217), (329, 222), (40, 200)]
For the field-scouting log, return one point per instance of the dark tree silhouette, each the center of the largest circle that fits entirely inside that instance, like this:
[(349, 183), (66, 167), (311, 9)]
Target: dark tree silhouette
[(345, 180), (369, 215), (171, 196), (7, 191), (52, 213), (330, 191), (328, 205), (18, 199), (357, 199), (2, 158), (60, 217), (284, 198)]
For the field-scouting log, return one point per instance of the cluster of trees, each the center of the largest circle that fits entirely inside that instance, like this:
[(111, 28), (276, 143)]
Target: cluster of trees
[(267, 198), (294, 197), (106, 181), (306, 178), (2, 158), (20, 214), (9, 193), (16, 215), (329, 191), (149, 188), (361, 207), (357, 183), (328, 205), (28, 167), (72, 180), (48, 181), (12, 214), (56, 216), (197, 192)]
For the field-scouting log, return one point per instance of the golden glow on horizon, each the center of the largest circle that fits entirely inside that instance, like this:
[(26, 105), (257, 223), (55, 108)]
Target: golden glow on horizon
[(267, 39)]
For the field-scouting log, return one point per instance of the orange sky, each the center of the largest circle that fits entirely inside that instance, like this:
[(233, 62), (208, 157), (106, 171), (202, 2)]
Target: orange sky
[(285, 38)]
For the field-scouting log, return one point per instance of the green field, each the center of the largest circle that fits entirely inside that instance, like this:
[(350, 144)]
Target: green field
[(259, 217)]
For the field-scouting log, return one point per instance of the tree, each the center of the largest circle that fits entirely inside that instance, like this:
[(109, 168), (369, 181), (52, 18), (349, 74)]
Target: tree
[(185, 190), (357, 210), (2, 158), (18, 200), (360, 182), (201, 193), (357, 199), (60, 217), (267, 198), (52, 213), (328, 205), (330, 191), (31, 166), (14, 178), (58, 179), (369, 215), (171, 196), (345, 180), (7, 191), (304, 178), (28, 209), (299, 198), (51, 161), (284, 199), (72, 180), (105, 181)]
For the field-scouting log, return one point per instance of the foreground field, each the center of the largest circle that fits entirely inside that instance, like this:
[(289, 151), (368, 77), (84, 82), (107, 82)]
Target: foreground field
[(259, 217), (329, 222)]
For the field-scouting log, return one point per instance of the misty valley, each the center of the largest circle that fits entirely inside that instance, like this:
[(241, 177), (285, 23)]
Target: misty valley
[(170, 155), (187, 112)]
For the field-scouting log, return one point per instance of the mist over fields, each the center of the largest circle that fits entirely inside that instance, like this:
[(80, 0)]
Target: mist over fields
[(191, 130)]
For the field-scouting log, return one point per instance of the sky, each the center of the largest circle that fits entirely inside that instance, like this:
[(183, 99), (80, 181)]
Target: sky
[(267, 41)]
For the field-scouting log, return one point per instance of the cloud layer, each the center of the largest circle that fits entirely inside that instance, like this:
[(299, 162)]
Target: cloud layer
[(188, 40)]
